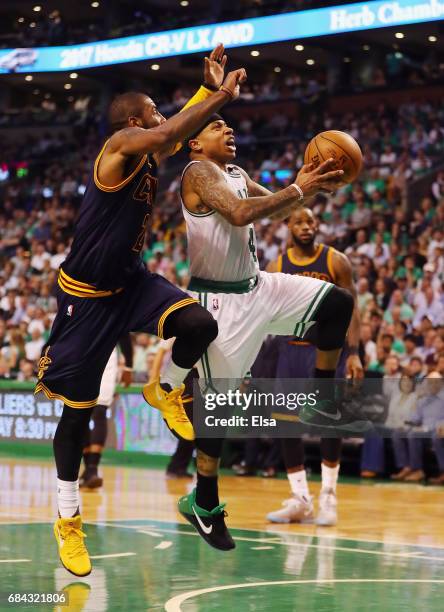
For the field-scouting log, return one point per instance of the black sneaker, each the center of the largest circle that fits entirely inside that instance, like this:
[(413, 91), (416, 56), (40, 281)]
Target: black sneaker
[(210, 525), (334, 414), (90, 480)]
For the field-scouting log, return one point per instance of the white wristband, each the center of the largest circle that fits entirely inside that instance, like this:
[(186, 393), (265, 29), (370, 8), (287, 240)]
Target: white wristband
[(299, 190), (127, 369)]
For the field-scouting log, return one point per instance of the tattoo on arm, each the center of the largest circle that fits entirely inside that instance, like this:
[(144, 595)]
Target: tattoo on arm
[(208, 183), (206, 465), (257, 190)]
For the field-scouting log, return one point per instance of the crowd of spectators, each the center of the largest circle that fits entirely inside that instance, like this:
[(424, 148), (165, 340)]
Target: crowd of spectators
[(397, 250), (397, 254)]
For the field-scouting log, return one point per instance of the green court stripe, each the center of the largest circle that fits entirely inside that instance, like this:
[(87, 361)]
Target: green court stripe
[(321, 299), (202, 358), (312, 303), (316, 302)]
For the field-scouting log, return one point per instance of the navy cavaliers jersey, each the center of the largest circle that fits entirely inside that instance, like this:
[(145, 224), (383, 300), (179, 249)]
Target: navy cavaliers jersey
[(319, 266), (110, 231)]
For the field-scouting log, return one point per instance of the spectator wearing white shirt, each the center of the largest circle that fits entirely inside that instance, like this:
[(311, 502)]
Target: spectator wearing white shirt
[(59, 257), (387, 160), (33, 348), (438, 186), (368, 344), (39, 257), (432, 308)]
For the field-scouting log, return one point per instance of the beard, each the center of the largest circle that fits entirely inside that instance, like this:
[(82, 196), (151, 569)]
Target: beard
[(306, 242)]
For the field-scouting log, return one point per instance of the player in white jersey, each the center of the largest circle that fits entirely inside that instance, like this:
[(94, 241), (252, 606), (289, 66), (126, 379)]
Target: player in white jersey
[(220, 204)]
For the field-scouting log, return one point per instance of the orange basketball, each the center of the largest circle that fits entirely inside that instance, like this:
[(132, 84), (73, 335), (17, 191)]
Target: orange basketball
[(339, 145)]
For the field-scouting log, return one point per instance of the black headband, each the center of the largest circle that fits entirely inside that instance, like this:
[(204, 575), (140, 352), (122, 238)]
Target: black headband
[(214, 117)]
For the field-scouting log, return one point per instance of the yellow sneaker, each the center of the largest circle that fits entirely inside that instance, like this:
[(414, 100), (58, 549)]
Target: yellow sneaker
[(171, 406), (77, 596), (72, 550)]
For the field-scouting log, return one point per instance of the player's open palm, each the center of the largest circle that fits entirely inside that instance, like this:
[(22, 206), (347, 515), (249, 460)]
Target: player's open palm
[(233, 81), (214, 67), (313, 179)]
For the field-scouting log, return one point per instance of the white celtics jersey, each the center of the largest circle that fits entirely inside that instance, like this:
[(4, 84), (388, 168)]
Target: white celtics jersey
[(219, 251)]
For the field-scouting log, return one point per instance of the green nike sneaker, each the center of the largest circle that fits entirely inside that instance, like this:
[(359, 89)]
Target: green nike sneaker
[(210, 525), (333, 414)]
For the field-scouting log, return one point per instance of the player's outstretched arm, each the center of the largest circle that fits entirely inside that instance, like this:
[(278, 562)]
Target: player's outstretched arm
[(205, 180), (213, 77), (137, 141), (344, 278), (258, 190)]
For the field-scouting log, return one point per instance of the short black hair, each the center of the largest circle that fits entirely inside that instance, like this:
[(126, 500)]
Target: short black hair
[(125, 105)]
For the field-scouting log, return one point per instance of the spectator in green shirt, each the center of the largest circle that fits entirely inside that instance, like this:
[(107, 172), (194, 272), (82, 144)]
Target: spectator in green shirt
[(406, 311)]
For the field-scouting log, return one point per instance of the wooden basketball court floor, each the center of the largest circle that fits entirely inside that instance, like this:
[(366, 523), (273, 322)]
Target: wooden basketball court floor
[(387, 552)]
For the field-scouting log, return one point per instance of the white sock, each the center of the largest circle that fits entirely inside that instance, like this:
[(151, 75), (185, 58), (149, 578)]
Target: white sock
[(329, 476), (174, 375), (298, 483), (68, 498)]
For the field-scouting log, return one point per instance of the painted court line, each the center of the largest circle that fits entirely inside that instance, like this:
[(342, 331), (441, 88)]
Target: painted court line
[(15, 560), (125, 554), (382, 553), (174, 604), (154, 532), (276, 532), (262, 547), (164, 545), (150, 533)]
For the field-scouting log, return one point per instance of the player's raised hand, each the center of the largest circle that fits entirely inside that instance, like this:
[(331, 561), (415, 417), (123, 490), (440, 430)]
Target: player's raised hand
[(232, 82), (313, 179), (214, 67)]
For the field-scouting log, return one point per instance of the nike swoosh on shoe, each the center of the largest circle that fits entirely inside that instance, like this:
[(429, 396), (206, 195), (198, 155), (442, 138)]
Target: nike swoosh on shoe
[(204, 528), (333, 417)]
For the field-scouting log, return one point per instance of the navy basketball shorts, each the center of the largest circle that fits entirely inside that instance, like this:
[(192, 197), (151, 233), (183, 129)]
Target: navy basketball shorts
[(87, 329), (297, 359)]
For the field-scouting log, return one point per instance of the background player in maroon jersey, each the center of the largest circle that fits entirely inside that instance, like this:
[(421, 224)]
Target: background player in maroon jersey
[(297, 359)]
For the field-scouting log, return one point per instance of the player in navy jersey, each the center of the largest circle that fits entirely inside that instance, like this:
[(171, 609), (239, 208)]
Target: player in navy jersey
[(297, 359), (104, 290)]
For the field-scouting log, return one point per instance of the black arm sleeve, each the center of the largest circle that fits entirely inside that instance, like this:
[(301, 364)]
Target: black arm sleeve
[(126, 346)]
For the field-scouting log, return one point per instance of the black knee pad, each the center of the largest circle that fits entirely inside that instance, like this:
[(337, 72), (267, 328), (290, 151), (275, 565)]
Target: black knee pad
[(75, 421), (204, 325), (194, 322), (69, 441), (333, 319)]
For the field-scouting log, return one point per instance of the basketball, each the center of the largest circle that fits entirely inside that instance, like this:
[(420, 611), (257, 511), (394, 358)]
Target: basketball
[(339, 145)]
